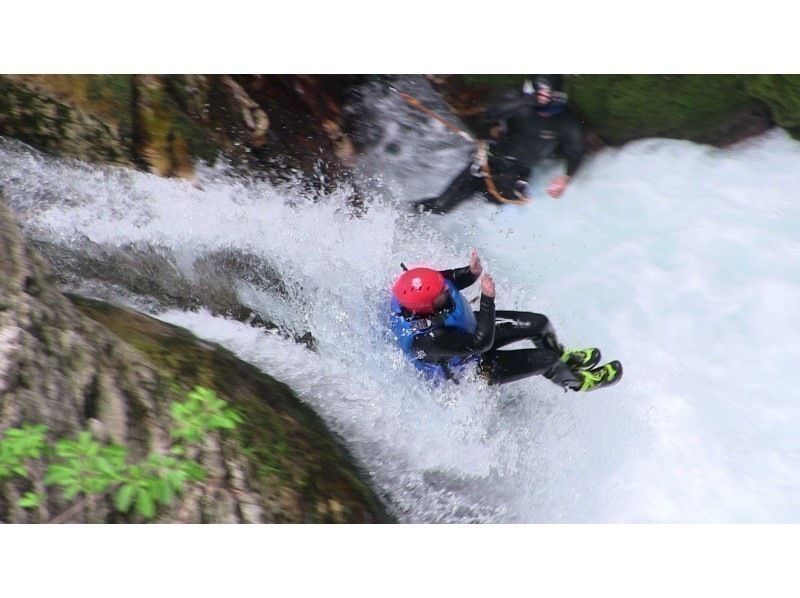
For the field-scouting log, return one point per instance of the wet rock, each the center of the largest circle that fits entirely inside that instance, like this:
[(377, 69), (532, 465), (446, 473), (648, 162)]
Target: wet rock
[(713, 109), (70, 115), (166, 124), (90, 365)]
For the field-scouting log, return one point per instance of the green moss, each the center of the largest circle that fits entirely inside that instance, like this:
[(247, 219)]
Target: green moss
[(111, 97), (168, 128), (190, 92), (781, 93), (624, 107), (716, 109), (292, 456), (108, 97), (23, 116), (113, 91), (54, 126), (95, 117)]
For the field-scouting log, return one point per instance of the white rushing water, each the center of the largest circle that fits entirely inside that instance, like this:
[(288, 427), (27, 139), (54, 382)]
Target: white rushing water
[(681, 260)]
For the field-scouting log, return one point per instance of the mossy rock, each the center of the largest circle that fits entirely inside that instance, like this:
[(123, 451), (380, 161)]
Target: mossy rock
[(715, 109), (704, 108), (108, 98), (301, 471), (157, 122), (169, 141), (781, 93), (58, 123)]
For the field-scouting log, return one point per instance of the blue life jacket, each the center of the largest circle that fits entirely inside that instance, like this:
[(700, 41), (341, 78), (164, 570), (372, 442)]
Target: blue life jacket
[(556, 106), (460, 317)]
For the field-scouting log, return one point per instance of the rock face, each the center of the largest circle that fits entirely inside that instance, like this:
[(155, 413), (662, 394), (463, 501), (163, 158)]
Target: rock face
[(84, 117), (781, 93), (115, 372), (714, 109), (166, 123), (283, 124)]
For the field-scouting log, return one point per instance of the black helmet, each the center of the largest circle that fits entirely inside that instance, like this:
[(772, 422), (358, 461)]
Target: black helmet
[(554, 83)]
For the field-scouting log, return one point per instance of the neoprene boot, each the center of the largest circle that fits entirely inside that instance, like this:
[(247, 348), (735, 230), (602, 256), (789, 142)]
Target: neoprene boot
[(563, 376), (581, 359), (601, 377)]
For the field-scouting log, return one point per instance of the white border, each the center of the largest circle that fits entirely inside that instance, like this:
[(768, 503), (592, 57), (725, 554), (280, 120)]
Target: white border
[(406, 561), (416, 36), (410, 36)]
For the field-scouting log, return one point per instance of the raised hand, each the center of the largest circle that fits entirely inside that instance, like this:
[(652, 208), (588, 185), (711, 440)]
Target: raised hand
[(487, 285), (557, 186), (475, 263)]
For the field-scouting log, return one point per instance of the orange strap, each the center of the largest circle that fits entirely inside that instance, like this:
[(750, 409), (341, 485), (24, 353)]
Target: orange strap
[(480, 148), (489, 180), (414, 102)]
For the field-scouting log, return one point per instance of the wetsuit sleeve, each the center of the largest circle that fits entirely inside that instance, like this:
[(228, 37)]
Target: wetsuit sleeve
[(461, 277), (443, 343), (507, 107), (572, 146)]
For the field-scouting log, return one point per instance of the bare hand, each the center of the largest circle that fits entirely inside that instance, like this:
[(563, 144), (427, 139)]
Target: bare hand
[(475, 263), (557, 186), (487, 286)]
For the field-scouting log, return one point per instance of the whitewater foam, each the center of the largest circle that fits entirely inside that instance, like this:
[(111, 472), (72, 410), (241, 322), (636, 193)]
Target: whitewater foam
[(678, 259)]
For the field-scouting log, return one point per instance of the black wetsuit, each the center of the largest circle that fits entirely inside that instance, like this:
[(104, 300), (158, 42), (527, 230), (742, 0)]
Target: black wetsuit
[(528, 137), (493, 331)]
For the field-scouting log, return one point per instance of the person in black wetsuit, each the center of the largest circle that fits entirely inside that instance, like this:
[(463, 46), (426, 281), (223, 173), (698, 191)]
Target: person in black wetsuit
[(529, 127), (436, 328)]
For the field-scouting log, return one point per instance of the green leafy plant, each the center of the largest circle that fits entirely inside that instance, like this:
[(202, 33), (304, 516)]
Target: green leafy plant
[(30, 500), (157, 480), (18, 446), (82, 467), (201, 413), (85, 466)]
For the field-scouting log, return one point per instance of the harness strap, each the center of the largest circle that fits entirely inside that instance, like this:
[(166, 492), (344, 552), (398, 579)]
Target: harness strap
[(481, 152)]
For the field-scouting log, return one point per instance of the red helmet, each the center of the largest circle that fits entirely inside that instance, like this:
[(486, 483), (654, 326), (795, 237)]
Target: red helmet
[(416, 289)]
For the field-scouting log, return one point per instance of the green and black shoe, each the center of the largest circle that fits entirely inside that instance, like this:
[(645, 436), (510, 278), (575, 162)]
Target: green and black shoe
[(605, 375), (581, 359)]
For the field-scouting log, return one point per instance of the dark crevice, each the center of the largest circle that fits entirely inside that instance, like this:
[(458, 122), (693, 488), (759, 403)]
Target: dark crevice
[(137, 136), (91, 399)]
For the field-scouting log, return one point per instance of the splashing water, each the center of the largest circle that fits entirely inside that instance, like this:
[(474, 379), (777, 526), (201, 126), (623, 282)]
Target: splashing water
[(681, 260)]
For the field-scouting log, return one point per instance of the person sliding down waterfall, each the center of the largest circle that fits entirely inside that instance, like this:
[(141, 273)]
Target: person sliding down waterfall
[(528, 127), (438, 331)]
